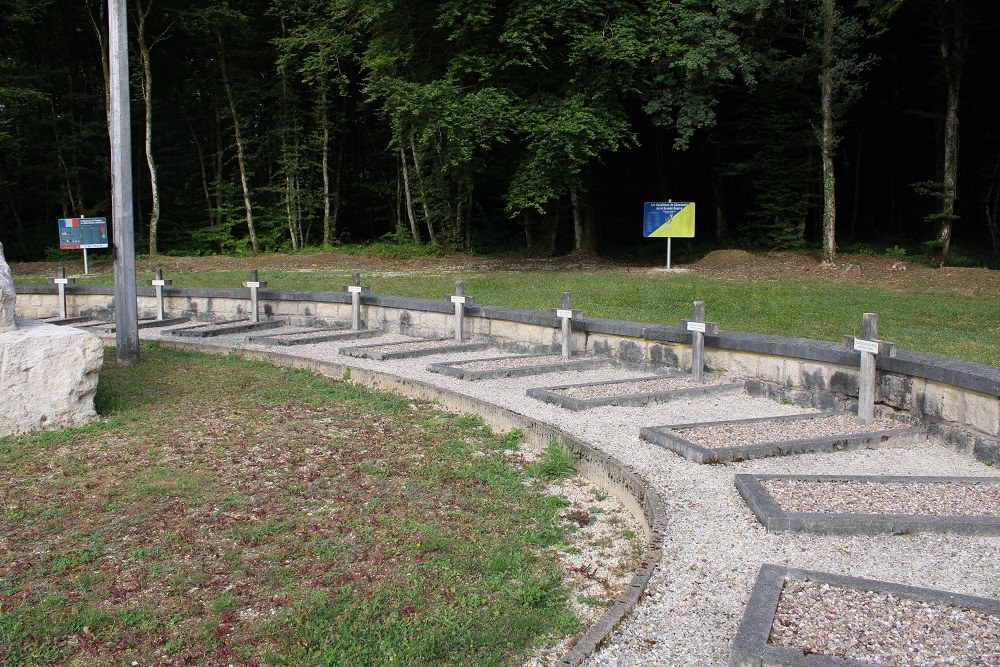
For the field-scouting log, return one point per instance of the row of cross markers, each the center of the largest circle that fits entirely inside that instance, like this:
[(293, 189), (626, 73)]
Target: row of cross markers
[(867, 345)]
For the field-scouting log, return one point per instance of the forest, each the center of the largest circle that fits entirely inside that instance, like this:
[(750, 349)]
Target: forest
[(510, 125)]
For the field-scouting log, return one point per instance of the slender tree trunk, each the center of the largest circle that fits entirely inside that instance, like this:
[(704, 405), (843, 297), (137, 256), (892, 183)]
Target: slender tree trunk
[(991, 209), (240, 160), (335, 193), (584, 229), (431, 231), (62, 162), (409, 197), (99, 22), (324, 123), (219, 156), (200, 152), (828, 140), (577, 221), (147, 98), (952, 47)]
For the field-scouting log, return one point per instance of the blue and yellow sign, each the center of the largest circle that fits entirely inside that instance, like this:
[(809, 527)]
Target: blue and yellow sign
[(673, 219)]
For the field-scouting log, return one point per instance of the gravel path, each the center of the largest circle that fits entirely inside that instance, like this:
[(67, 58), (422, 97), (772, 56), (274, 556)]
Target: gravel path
[(714, 545), (939, 498), (895, 631)]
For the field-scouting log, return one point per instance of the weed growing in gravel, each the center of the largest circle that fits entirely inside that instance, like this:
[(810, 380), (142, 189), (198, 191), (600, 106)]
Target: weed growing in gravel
[(229, 512)]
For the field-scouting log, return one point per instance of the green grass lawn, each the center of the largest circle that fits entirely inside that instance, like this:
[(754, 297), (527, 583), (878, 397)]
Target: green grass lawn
[(229, 512)]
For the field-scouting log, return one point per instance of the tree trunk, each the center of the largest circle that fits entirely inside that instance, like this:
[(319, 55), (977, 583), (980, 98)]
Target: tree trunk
[(147, 98), (431, 231), (409, 197), (240, 161), (584, 229), (324, 123), (828, 140), (952, 47), (335, 193), (219, 156), (100, 24), (62, 162)]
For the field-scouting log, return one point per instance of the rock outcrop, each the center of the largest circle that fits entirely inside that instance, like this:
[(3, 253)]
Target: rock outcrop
[(7, 296), (48, 377)]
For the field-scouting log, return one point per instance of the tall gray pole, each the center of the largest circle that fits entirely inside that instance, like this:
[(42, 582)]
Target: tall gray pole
[(119, 128)]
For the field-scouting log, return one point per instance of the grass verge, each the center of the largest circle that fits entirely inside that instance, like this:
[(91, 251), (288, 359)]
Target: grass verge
[(229, 512)]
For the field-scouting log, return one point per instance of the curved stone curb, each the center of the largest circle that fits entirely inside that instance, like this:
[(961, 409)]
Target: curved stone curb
[(556, 396), (665, 437), (750, 647), (603, 470), (777, 520)]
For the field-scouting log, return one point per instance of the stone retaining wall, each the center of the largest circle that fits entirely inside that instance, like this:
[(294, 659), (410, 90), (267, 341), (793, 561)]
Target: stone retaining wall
[(960, 401)]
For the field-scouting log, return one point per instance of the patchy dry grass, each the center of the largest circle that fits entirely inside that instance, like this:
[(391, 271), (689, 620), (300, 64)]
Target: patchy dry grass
[(228, 512)]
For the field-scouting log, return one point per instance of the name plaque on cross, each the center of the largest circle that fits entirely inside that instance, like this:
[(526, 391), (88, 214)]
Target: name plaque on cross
[(459, 299), (567, 314), (869, 346), (252, 283), (696, 326), (354, 289), (158, 283)]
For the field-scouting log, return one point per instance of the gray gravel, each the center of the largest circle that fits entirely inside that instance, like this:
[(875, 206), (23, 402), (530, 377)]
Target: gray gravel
[(714, 545)]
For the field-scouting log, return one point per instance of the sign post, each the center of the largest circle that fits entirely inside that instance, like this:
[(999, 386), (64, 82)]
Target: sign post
[(254, 284), (698, 328), (61, 281), (83, 234), (356, 290), (565, 315), (668, 220), (159, 283)]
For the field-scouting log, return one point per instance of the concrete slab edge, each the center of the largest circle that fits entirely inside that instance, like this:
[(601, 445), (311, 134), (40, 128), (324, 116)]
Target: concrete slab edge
[(663, 436), (750, 647), (318, 338), (775, 519), (368, 351), (602, 469), (456, 371), (553, 395)]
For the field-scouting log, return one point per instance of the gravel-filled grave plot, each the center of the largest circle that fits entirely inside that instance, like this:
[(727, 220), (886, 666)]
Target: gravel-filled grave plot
[(715, 442), (224, 328), (410, 349), (634, 392), (873, 504), (801, 617), (309, 335), (515, 366)]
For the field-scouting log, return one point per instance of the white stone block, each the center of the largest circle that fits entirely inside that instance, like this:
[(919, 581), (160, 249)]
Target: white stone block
[(48, 377)]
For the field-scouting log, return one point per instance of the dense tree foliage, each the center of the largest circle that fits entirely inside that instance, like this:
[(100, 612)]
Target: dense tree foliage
[(287, 124)]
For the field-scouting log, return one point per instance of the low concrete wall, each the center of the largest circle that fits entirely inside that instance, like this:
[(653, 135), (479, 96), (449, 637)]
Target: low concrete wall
[(959, 401)]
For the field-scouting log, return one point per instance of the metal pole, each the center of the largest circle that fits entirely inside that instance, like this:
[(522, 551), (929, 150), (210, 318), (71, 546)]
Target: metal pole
[(86, 266), (668, 253), (126, 308)]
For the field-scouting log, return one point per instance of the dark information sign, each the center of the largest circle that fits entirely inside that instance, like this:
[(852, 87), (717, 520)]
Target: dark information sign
[(83, 233)]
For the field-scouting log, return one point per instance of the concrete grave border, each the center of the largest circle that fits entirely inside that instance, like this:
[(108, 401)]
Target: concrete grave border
[(553, 394), (331, 334), (603, 470), (750, 647), (663, 436), (448, 346), (777, 520), (455, 370), (210, 330)]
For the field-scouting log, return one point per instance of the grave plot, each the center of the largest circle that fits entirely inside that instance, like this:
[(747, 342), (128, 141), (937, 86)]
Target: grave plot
[(800, 617), (516, 366), (308, 335), (633, 391), (716, 442), (81, 321), (867, 505), (224, 328), (148, 323), (410, 349)]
